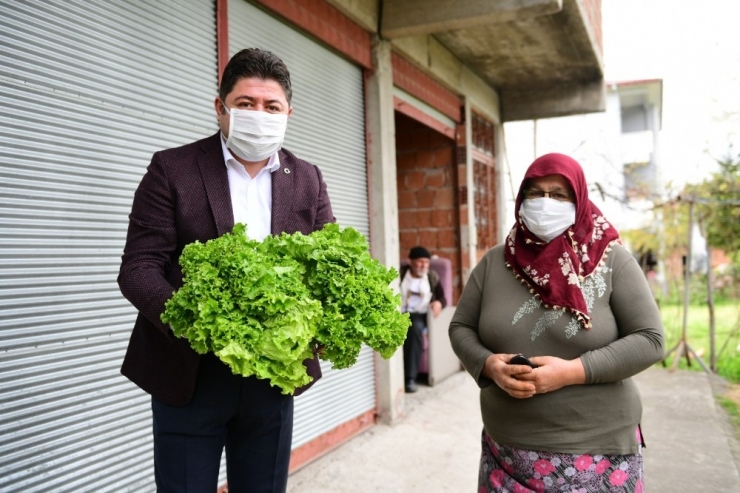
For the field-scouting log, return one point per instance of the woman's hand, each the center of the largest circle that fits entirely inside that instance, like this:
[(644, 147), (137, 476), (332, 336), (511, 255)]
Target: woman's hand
[(509, 377), (554, 373)]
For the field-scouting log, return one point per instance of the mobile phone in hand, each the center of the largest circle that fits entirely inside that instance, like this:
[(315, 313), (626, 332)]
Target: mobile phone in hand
[(520, 359)]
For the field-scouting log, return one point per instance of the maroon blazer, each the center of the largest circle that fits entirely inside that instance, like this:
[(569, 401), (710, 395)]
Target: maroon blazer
[(184, 196)]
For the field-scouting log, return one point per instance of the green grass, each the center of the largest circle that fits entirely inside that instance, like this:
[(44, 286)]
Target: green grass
[(733, 414), (727, 321), (727, 335)]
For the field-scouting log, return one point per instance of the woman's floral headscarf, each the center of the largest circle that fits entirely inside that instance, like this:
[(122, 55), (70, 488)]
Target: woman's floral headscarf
[(555, 271)]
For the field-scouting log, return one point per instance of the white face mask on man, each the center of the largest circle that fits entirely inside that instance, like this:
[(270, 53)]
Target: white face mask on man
[(547, 218), (255, 135)]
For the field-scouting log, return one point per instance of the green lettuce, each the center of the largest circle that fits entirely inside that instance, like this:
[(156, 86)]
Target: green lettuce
[(359, 306), (263, 307)]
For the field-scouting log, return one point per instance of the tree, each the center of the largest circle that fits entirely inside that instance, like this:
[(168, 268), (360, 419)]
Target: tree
[(718, 206), (717, 210)]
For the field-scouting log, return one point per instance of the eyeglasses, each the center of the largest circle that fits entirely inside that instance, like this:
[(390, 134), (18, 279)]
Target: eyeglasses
[(555, 195)]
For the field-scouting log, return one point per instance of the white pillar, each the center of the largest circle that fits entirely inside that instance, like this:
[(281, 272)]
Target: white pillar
[(383, 197)]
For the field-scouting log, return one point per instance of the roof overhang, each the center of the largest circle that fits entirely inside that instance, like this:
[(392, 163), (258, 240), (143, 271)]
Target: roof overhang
[(542, 56)]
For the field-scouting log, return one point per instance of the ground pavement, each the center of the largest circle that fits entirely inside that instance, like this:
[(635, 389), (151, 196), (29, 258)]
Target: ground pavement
[(435, 448)]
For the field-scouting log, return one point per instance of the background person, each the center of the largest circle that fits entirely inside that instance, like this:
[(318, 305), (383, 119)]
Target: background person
[(563, 291), (421, 292), (198, 192)]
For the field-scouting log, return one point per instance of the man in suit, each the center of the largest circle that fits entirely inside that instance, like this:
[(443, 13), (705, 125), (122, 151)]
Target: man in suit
[(198, 192), (421, 292)]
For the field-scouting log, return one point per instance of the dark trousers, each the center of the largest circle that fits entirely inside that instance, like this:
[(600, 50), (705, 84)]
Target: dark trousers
[(253, 420), (413, 346)]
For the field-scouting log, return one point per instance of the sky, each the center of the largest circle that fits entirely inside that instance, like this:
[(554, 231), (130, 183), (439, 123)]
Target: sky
[(695, 49)]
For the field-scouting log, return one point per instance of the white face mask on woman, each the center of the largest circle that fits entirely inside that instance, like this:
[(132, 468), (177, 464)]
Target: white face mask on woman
[(255, 135), (547, 218)]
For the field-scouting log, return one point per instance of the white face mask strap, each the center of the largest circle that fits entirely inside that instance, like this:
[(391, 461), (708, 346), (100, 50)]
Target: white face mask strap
[(231, 123)]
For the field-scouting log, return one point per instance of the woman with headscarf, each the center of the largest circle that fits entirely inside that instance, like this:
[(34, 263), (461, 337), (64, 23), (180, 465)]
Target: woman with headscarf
[(564, 292)]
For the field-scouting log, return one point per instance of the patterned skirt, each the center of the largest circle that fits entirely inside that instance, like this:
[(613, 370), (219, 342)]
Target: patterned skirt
[(513, 470)]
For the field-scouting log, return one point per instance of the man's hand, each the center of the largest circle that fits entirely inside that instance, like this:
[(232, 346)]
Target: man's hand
[(436, 307), (554, 373), (318, 349), (509, 377)]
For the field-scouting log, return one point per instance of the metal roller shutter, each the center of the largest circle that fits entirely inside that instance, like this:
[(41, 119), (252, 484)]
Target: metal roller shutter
[(88, 91), (327, 128)]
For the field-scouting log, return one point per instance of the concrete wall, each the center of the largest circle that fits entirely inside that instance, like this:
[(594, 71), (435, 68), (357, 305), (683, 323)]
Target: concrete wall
[(363, 12), (431, 56), (383, 197)]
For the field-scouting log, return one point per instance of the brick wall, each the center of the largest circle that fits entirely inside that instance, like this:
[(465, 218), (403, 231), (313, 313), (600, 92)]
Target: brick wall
[(593, 12), (427, 193)]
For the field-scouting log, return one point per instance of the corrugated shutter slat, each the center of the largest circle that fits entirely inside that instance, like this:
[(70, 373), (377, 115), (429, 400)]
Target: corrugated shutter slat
[(89, 90)]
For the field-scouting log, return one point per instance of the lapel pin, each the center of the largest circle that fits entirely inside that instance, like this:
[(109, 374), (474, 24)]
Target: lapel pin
[(287, 171)]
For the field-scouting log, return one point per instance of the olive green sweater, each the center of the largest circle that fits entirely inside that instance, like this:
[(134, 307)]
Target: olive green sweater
[(497, 314)]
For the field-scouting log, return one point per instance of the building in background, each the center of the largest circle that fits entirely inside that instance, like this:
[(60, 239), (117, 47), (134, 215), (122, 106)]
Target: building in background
[(640, 108), (400, 105)]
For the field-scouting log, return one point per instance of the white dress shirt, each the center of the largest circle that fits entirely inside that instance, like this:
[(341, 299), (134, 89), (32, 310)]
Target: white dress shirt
[(251, 198)]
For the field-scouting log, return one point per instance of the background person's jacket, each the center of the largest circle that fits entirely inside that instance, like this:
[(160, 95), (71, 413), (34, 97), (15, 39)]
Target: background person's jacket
[(438, 293)]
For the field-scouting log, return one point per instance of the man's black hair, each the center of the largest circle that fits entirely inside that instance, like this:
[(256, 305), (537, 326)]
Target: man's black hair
[(419, 252), (253, 62)]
